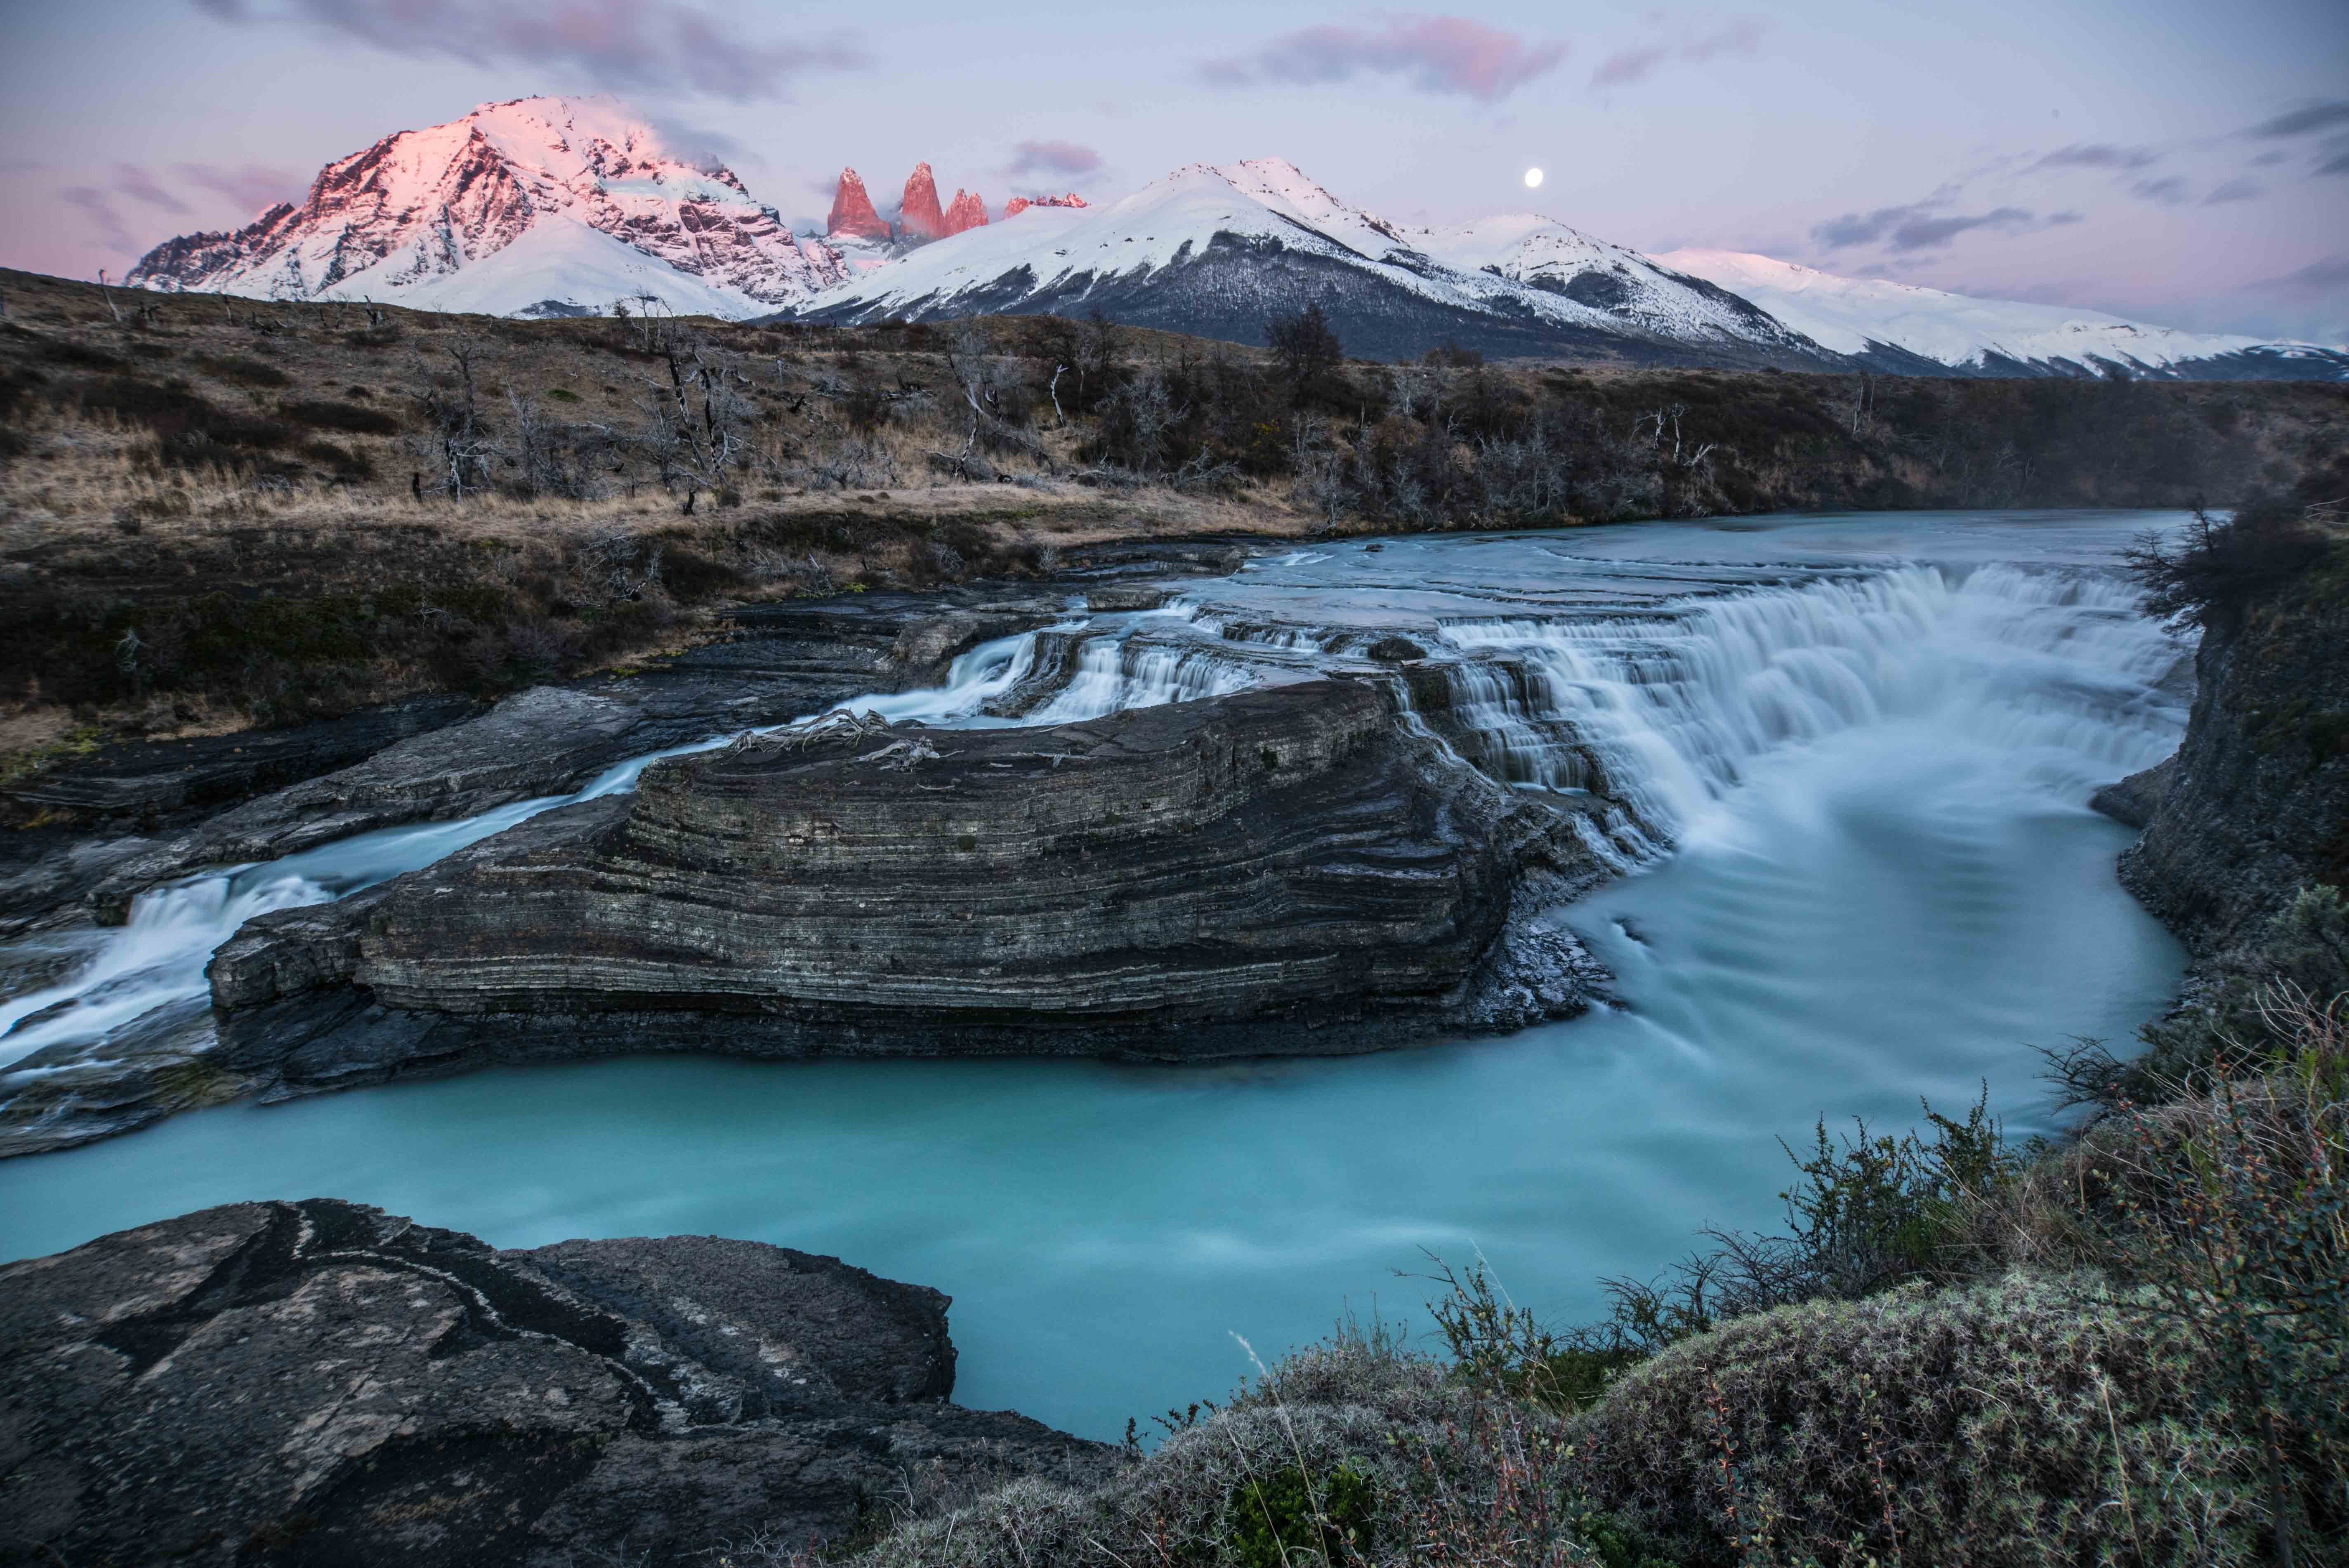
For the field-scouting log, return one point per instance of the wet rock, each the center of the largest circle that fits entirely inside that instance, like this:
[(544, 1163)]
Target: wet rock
[(782, 662), (323, 1382), (2255, 805), (1282, 872), (2133, 800), (147, 779)]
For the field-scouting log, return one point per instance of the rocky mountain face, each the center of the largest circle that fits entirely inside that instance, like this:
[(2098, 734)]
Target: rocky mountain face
[(853, 216), (918, 211), (1278, 871), (321, 1382), (1021, 205), (547, 205), (966, 210)]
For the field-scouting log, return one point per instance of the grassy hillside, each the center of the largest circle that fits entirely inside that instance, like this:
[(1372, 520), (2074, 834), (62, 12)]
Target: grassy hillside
[(218, 511)]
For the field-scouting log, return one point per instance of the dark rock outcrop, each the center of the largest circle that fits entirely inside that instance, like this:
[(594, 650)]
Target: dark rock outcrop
[(783, 661), (323, 1383), (2255, 805), (143, 781), (1288, 871)]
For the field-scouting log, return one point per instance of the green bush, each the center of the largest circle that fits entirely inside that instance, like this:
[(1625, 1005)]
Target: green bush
[(1291, 1516), (2008, 1423)]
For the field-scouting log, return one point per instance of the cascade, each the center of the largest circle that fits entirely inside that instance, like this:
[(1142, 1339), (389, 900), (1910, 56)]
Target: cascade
[(1658, 709)]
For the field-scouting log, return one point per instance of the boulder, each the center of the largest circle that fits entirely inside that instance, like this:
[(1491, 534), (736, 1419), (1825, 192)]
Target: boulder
[(318, 1382)]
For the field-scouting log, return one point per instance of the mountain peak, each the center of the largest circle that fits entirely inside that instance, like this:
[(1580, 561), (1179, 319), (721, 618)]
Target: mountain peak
[(967, 210), (609, 210), (918, 211), (853, 216)]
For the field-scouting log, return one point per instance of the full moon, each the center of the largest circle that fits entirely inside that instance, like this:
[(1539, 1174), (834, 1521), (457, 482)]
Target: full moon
[(1533, 177)]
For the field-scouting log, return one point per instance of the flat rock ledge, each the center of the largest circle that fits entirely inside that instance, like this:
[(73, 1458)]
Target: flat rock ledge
[(1284, 872), (322, 1383)]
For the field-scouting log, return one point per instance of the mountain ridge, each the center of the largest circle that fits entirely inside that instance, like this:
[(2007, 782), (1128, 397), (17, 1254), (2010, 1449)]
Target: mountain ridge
[(562, 206)]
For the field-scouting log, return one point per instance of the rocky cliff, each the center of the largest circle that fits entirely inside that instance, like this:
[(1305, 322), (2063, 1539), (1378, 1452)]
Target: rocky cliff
[(323, 1382), (2255, 805), (1282, 872)]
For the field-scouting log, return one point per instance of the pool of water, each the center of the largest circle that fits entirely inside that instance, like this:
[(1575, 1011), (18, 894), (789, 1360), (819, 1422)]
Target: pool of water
[(1867, 874)]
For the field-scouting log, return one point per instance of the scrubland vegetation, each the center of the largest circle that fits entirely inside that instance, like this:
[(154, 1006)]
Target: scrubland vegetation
[(218, 511), (2125, 1349), (2126, 1346)]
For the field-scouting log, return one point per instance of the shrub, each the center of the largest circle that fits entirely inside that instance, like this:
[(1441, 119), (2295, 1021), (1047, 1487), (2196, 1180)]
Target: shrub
[(2230, 1211), (2220, 569), (2012, 1422), (245, 372), (322, 414)]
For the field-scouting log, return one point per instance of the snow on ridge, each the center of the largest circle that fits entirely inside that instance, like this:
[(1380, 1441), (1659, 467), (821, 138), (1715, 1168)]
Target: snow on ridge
[(397, 220), (1517, 267), (1849, 314)]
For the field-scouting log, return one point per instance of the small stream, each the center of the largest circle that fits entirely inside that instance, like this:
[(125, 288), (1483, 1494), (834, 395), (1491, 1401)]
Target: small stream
[(1850, 757)]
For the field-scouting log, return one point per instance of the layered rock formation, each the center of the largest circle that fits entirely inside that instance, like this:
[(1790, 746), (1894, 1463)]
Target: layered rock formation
[(918, 213), (1288, 871), (853, 216), (966, 211), (323, 1382)]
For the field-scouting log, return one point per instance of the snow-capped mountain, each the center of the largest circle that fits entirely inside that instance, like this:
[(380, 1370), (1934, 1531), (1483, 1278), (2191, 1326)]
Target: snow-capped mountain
[(539, 206), (1893, 324), (1216, 250)]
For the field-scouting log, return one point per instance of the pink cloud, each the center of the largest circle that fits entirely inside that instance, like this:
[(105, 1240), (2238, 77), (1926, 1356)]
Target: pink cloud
[(1054, 158), (1436, 54)]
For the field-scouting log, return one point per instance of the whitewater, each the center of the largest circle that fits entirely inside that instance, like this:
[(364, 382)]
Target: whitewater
[(1849, 760)]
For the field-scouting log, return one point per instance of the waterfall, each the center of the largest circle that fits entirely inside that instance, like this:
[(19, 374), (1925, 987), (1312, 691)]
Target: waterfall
[(1662, 713), (1657, 703)]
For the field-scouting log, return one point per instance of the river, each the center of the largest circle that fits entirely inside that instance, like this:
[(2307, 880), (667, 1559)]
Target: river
[(1860, 871)]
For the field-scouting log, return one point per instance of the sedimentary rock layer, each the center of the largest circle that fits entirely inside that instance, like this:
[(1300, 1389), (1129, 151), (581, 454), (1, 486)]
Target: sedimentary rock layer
[(323, 1382), (1290, 871)]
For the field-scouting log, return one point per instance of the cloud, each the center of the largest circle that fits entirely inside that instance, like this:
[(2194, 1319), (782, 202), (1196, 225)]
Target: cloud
[(1920, 226), (707, 150), (2323, 277), (1058, 159), (2096, 155), (624, 45), (253, 187), (2337, 157), (1625, 66), (2301, 121), (2169, 192), (105, 221), (135, 182), (2235, 190), (1436, 54)]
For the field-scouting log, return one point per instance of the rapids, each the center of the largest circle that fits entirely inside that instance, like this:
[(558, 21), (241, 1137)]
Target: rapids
[(1852, 756)]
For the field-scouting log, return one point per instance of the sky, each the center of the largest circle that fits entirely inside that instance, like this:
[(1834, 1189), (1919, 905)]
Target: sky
[(2173, 161)]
